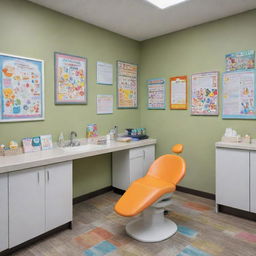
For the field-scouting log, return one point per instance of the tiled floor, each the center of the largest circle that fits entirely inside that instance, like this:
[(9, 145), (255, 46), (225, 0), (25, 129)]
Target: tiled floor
[(98, 231)]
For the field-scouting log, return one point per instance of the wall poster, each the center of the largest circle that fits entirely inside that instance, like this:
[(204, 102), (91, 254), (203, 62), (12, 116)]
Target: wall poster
[(156, 93), (70, 79), (240, 60), (21, 89), (204, 93), (127, 85), (104, 73), (104, 104), (178, 92), (239, 97)]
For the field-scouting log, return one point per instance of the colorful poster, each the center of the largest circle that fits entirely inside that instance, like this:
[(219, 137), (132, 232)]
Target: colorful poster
[(240, 60), (178, 91), (21, 89), (70, 79), (238, 91), (104, 73), (156, 93), (204, 93), (104, 104), (127, 80)]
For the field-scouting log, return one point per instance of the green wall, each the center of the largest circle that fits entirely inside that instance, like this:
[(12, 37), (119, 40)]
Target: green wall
[(197, 49), (33, 31)]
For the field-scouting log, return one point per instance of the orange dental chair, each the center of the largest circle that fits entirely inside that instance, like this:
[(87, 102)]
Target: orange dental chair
[(150, 195)]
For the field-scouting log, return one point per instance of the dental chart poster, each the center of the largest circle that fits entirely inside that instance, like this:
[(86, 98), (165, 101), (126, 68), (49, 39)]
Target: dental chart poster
[(21, 89), (104, 104), (204, 93), (104, 73), (239, 95), (178, 91), (70, 79), (240, 60), (156, 93), (127, 83)]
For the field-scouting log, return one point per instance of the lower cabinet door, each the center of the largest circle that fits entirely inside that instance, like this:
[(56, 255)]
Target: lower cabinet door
[(4, 233), (26, 205), (232, 178), (253, 181), (58, 194), (149, 157), (136, 168)]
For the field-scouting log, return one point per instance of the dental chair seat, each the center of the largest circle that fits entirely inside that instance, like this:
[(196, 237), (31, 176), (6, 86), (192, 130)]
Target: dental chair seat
[(141, 194)]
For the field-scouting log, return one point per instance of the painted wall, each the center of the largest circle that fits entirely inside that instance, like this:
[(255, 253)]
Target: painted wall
[(33, 31), (198, 49)]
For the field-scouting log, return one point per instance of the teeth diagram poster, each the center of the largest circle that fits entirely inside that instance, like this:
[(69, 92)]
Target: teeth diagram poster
[(127, 85), (70, 79), (156, 93), (239, 95), (204, 93), (21, 89)]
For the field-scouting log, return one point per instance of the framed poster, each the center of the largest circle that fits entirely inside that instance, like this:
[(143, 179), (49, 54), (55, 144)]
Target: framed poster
[(70, 79), (240, 60), (21, 89), (204, 93), (156, 93), (104, 104), (239, 97), (127, 85), (178, 92)]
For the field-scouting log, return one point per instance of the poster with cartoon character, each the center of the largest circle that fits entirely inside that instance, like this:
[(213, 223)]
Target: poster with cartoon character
[(70, 79), (240, 60), (239, 100), (204, 93), (21, 89), (127, 85)]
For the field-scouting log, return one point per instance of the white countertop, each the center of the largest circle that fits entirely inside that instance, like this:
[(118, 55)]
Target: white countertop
[(236, 145), (56, 155)]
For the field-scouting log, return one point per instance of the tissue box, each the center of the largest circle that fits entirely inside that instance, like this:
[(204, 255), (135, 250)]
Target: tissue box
[(233, 139)]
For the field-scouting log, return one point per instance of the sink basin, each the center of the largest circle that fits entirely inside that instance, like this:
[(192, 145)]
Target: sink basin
[(86, 147)]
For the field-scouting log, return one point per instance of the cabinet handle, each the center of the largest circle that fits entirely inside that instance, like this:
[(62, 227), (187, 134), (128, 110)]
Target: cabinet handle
[(48, 176), (38, 177), (144, 154)]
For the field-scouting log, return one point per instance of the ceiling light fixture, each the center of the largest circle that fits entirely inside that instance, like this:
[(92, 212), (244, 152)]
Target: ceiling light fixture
[(162, 4)]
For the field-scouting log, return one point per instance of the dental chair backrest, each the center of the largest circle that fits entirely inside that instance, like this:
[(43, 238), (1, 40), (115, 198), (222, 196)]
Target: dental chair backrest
[(170, 168)]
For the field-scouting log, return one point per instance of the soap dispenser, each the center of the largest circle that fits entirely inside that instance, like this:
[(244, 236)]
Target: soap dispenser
[(61, 141)]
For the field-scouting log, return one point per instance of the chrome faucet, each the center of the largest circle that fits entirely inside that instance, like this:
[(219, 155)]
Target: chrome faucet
[(73, 143)]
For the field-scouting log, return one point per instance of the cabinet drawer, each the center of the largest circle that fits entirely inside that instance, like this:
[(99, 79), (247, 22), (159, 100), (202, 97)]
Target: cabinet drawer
[(136, 152)]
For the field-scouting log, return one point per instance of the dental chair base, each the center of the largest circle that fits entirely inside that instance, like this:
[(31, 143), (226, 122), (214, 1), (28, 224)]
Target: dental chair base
[(152, 226)]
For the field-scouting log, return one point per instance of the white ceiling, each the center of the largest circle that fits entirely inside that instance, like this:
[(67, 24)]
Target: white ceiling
[(140, 20)]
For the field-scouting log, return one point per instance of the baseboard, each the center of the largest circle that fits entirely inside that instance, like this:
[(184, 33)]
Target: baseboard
[(237, 212), (118, 191), (196, 192), (90, 195)]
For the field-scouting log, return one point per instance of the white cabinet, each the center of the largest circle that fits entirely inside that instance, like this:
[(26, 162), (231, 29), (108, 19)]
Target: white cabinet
[(232, 178), (253, 181), (58, 194), (132, 164), (40, 199), (3, 212), (26, 205), (236, 178)]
